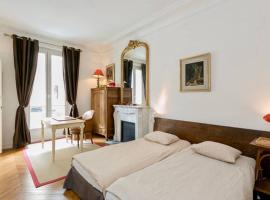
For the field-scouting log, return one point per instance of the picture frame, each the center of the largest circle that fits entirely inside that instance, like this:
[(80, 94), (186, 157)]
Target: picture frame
[(195, 73), (110, 72)]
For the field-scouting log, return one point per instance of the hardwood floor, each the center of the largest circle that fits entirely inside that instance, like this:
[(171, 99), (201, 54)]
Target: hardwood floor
[(16, 182)]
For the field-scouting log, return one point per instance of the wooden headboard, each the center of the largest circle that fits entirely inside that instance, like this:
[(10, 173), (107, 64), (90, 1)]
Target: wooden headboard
[(198, 132)]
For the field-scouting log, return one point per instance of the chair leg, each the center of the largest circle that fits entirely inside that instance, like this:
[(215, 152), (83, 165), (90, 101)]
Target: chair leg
[(71, 137), (66, 135), (91, 137)]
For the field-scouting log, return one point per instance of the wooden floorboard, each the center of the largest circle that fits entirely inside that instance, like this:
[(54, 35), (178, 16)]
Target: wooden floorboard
[(16, 182)]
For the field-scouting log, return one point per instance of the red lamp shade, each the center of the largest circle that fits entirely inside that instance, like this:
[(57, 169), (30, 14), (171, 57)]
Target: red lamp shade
[(267, 117), (98, 73)]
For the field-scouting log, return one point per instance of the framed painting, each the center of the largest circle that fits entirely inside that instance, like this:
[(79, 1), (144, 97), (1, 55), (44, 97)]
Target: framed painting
[(110, 73), (195, 73)]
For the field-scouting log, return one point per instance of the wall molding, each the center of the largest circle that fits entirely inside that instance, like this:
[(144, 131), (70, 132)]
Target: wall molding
[(171, 15)]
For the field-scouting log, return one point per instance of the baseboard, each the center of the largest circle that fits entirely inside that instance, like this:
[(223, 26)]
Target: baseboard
[(7, 147)]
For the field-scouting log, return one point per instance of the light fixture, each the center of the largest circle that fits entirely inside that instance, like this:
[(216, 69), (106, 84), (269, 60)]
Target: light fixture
[(98, 74), (267, 117)]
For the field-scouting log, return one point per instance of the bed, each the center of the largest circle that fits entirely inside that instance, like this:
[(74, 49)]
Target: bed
[(188, 175), (92, 172), (194, 133)]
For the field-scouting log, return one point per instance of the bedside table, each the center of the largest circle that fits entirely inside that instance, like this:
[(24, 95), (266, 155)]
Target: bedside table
[(262, 184)]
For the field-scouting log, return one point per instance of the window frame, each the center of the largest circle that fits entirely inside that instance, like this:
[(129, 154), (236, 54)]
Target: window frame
[(48, 54), (134, 85)]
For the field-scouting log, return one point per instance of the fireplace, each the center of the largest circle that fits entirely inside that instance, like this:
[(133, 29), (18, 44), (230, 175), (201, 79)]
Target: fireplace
[(127, 131), (132, 122)]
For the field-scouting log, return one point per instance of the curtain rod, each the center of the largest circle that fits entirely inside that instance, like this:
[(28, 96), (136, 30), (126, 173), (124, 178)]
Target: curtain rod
[(9, 35)]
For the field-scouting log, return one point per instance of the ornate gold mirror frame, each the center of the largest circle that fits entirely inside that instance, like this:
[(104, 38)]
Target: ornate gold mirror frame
[(133, 44)]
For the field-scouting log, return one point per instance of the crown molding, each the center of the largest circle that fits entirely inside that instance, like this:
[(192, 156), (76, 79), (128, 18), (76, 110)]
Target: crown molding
[(170, 15)]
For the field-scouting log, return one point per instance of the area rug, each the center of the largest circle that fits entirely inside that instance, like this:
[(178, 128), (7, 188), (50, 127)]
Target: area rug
[(39, 161)]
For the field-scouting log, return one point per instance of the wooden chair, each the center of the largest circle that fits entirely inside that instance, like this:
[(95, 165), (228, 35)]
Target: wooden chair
[(88, 127)]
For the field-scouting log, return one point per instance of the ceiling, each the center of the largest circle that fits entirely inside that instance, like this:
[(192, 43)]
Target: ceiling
[(78, 21)]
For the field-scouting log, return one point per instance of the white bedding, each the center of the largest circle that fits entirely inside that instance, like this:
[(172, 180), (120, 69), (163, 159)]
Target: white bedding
[(187, 175), (105, 165), (81, 170)]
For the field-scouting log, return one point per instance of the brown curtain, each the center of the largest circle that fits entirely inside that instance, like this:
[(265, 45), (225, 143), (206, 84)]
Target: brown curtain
[(25, 53), (144, 77), (128, 66), (71, 62)]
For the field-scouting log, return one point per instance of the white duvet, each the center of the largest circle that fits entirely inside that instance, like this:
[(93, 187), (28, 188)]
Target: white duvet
[(188, 176), (107, 164)]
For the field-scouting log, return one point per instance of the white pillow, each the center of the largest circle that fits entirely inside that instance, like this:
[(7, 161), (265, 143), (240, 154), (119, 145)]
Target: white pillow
[(217, 151), (88, 115), (161, 137)]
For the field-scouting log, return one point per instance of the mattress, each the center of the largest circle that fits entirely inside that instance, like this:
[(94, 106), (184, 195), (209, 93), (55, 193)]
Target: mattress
[(187, 175), (111, 196), (103, 166), (80, 169), (75, 182)]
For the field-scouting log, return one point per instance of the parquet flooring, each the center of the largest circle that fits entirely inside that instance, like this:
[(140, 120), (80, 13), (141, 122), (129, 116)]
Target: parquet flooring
[(16, 182)]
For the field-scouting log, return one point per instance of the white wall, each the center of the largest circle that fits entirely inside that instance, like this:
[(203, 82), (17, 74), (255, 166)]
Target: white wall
[(237, 34), (89, 62), (10, 101)]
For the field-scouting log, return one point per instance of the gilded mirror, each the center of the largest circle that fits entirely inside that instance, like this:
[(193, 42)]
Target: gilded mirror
[(135, 73)]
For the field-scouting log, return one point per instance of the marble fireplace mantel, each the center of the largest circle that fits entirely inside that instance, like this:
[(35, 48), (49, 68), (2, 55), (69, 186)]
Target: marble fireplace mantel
[(141, 116)]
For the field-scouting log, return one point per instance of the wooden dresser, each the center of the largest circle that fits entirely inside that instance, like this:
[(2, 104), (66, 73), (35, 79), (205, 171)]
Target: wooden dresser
[(102, 101)]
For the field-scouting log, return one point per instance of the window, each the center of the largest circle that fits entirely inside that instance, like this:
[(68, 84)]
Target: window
[(48, 95), (58, 105), (137, 85)]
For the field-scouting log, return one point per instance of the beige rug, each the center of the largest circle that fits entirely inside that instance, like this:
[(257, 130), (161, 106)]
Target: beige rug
[(39, 161)]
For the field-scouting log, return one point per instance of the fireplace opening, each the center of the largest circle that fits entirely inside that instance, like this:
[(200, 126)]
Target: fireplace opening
[(127, 131)]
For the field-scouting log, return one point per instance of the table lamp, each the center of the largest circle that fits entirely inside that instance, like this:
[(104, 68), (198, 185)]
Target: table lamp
[(98, 74)]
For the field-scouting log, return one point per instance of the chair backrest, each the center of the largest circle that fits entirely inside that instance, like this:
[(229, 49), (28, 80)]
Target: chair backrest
[(88, 115)]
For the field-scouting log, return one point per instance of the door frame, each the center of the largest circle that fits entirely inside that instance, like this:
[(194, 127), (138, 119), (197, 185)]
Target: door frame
[(48, 53)]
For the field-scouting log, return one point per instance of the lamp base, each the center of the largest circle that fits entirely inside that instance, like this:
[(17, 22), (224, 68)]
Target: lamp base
[(98, 84)]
